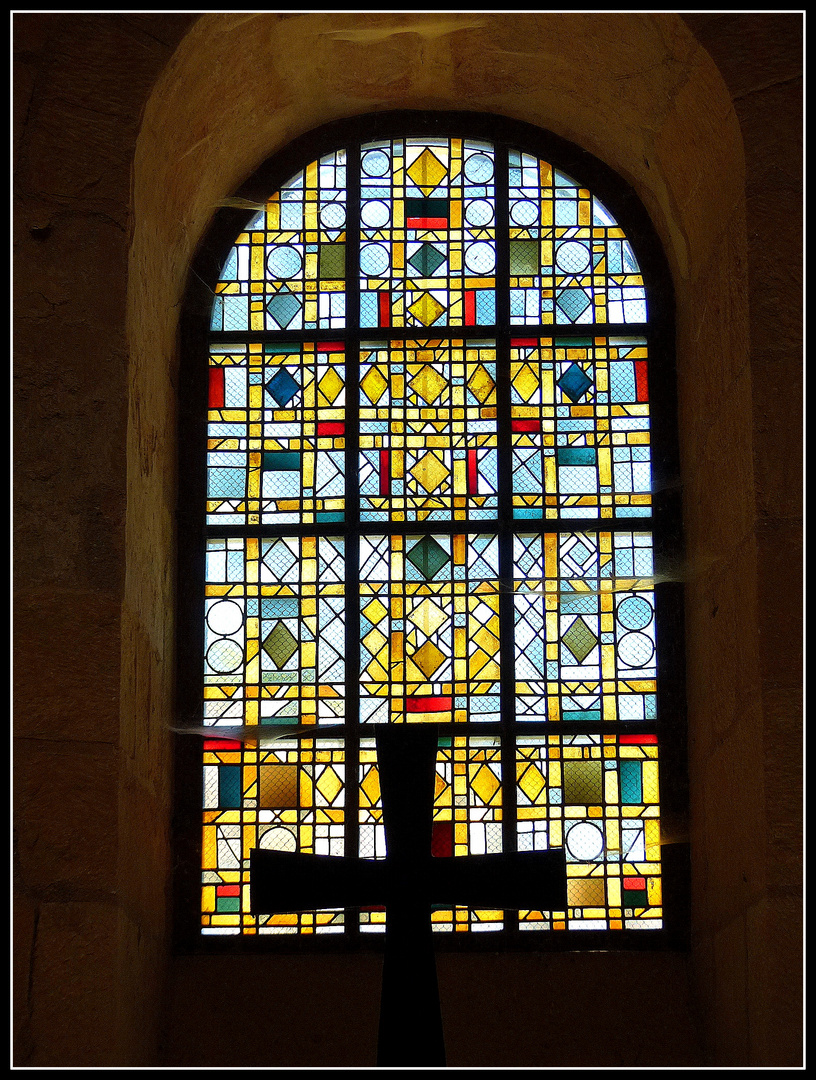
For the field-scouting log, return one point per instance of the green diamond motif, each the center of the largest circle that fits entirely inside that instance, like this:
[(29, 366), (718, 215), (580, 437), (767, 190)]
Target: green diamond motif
[(580, 640), (426, 260), (428, 557), (280, 645)]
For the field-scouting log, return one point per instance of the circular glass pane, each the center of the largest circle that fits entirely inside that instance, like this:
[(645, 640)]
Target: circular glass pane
[(478, 168), (375, 214), (225, 656), (278, 839), (634, 612), (635, 650), (333, 216), (585, 841), (572, 257), (375, 163), (480, 258), (225, 617), (374, 260), (284, 261), (524, 212), (478, 212)]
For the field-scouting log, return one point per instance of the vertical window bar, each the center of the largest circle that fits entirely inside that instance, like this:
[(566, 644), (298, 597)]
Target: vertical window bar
[(352, 741), (507, 658)]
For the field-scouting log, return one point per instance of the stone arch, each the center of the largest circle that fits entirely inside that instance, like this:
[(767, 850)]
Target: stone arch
[(635, 90)]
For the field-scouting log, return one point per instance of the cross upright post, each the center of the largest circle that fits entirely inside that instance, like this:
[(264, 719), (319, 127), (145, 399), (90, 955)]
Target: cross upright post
[(407, 882)]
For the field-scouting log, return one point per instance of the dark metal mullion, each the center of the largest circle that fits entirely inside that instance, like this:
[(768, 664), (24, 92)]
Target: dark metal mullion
[(529, 525), (354, 334), (352, 517), (507, 663)]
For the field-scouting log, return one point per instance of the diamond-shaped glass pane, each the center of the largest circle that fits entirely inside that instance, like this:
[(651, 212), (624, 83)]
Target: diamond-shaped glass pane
[(428, 557), (283, 308), (280, 645), (426, 260), (580, 640), (282, 387), (574, 382)]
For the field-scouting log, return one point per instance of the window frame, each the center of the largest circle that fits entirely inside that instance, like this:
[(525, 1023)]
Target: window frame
[(665, 523)]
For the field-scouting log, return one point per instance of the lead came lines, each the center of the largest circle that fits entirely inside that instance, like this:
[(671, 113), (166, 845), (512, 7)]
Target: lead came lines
[(436, 387)]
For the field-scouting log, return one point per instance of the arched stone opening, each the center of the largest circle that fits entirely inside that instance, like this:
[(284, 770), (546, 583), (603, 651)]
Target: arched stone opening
[(639, 93)]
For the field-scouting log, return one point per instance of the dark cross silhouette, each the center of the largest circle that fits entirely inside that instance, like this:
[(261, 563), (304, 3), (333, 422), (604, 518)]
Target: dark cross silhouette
[(407, 882)]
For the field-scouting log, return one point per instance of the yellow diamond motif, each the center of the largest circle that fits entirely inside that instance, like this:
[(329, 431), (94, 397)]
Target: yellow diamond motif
[(330, 385), (428, 383), (482, 665), (428, 617), (371, 786), (485, 640), (375, 672), (375, 611), (426, 309), (427, 171), (526, 382), (428, 659), (476, 661), (481, 384), (430, 472), (485, 783), (329, 784), (374, 641), (373, 384), (532, 783)]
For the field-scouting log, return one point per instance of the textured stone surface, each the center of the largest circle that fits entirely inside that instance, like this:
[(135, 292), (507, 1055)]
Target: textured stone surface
[(761, 60), (66, 675), (340, 996), (73, 963), (65, 804), (775, 986), (80, 86)]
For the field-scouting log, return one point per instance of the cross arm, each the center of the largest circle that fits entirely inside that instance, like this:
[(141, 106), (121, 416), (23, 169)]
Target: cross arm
[(532, 880), (291, 881)]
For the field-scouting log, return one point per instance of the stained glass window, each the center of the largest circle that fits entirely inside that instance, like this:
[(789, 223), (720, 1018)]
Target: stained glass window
[(429, 499)]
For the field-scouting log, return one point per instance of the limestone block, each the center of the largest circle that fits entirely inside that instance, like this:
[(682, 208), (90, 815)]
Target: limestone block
[(66, 672), (775, 982), (66, 810), (75, 990)]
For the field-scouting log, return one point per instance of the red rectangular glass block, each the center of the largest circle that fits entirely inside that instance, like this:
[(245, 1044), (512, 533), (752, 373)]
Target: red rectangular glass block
[(228, 890), (330, 346), (470, 307), (426, 223), (524, 343), (222, 744), (472, 473), (442, 840), (384, 301), (385, 472), (330, 427), (641, 380), (216, 388), (525, 425), (634, 883), (428, 703), (638, 740)]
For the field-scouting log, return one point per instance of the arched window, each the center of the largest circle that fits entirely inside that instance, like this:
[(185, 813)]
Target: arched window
[(437, 352)]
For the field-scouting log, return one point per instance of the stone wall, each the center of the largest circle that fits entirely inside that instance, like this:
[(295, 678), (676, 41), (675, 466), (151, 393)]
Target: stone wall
[(130, 130)]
